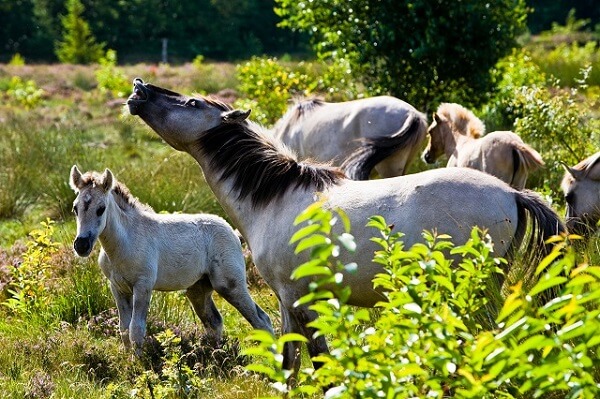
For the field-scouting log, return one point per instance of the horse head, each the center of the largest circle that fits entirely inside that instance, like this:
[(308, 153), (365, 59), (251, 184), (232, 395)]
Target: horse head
[(90, 206), (177, 118), (581, 188), (437, 131)]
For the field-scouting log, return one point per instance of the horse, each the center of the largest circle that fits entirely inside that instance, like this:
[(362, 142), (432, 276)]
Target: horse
[(388, 132), (459, 134), (262, 186), (144, 251), (581, 187)]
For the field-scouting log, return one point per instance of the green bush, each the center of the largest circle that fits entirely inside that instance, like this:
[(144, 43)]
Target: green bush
[(435, 337), (110, 79), (25, 93), (78, 44), (268, 85)]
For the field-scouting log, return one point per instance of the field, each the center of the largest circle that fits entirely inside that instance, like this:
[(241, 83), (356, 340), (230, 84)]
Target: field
[(60, 338)]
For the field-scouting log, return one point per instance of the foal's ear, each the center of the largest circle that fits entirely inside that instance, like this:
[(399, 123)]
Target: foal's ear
[(107, 180), (75, 178), (235, 116), (437, 118)]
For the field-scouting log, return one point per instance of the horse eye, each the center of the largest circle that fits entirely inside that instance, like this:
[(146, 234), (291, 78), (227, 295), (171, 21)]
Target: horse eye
[(75, 209), (100, 211)]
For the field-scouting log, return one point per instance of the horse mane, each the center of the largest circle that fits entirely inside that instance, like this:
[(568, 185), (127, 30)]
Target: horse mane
[(303, 107), (462, 119), (123, 197), (261, 167)]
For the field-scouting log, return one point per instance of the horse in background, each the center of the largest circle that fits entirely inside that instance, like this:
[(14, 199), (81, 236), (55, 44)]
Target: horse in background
[(581, 187), (262, 187), (457, 133), (144, 251), (388, 133)]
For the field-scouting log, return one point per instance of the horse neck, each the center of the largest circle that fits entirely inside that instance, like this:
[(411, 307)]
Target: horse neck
[(243, 214), (455, 141), (118, 222)]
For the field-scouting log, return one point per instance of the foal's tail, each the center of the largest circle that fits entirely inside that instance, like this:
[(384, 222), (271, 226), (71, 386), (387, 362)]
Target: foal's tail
[(544, 222), (525, 160), (359, 164)]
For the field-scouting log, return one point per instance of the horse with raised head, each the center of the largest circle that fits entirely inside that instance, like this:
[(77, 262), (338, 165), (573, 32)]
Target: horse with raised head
[(581, 187), (457, 133), (263, 187), (388, 133), (144, 251)]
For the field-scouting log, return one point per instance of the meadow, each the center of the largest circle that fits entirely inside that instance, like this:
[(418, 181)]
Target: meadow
[(58, 330)]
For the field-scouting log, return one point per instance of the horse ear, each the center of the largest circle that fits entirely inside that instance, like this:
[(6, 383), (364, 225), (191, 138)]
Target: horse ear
[(576, 173), (437, 118), (75, 178), (593, 171), (235, 116), (107, 180)]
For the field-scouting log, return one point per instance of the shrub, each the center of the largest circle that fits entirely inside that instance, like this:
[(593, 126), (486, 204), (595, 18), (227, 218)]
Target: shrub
[(25, 93), (78, 45), (110, 79), (17, 60), (434, 337)]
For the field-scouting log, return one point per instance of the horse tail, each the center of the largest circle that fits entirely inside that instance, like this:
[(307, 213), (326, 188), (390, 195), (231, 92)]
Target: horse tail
[(544, 223), (525, 160), (360, 163)]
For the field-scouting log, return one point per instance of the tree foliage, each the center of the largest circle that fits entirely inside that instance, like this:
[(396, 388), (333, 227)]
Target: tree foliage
[(420, 50), (78, 44)]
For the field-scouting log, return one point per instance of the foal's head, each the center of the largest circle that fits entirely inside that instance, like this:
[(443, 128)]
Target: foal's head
[(581, 187), (449, 121), (93, 191)]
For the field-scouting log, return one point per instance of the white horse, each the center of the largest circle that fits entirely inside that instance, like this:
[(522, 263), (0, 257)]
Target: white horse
[(263, 187), (459, 134), (144, 251), (388, 133), (581, 186)]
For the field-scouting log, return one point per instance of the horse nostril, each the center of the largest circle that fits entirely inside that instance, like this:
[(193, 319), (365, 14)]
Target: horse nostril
[(82, 246)]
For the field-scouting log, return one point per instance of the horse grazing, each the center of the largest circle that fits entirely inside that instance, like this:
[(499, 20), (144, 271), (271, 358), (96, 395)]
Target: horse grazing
[(581, 186), (263, 187), (144, 251), (457, 133), (388, 133)]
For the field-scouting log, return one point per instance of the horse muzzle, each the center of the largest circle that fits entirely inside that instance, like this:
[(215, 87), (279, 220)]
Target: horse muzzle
[(138, 97), (83, 246)]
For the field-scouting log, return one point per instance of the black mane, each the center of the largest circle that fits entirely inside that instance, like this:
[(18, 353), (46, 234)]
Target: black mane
[(259, 169)]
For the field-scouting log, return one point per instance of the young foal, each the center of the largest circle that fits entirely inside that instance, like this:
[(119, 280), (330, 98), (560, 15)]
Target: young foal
[(581, 186), (144, 251), (457, 133)]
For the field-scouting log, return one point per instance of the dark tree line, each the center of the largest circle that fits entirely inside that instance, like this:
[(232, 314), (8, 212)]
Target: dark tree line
[(216, 29)]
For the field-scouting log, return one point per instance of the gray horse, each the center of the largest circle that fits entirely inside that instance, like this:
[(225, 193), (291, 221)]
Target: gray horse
[(385, 132)]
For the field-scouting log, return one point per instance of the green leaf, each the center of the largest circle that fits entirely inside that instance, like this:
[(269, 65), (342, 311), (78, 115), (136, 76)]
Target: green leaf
[(311, 268), (545, 283), (304, 231), (312, 241)]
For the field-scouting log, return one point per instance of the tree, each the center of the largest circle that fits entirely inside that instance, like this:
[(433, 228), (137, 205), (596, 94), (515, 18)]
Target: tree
[(79, 45), (424, 51)]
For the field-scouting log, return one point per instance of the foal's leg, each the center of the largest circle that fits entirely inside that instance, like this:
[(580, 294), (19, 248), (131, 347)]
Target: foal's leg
[(200, 295), (229, 279), (142, 293), (125, 308)]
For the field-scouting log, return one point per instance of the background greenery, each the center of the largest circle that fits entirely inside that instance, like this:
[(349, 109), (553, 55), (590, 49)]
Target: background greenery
[(58, 326)]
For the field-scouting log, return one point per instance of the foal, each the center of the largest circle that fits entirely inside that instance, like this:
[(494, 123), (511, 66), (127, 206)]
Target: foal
[(144, 251)]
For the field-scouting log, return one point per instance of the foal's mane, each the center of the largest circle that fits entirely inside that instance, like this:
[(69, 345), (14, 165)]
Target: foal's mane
[(462, 119), (123, 197), (261, 167)]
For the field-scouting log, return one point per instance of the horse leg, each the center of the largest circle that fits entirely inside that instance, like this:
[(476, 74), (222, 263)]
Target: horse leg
[(200, 296), (142, 293), (124, 308), (295, 319), (236, 293)]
